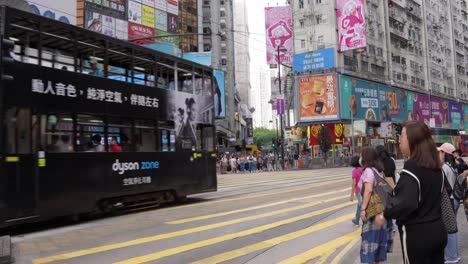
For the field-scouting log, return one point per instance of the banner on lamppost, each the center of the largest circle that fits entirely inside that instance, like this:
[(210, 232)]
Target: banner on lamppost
[(280, 104), (279, 34), (351, 24)]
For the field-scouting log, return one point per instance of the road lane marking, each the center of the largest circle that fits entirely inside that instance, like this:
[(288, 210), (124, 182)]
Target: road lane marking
[(212, 241), (325, 257), (275, 180), (271, 242), (154, 238), (339, 257), (309, 185), (203, 217), (323, 249)]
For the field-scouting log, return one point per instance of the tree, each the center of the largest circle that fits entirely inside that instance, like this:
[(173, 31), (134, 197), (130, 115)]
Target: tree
[(262, 136), (325, 142)]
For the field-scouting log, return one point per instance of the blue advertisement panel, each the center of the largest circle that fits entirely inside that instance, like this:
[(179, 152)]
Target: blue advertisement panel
[(456, 116), (360, 99), (315, 60), (219, 94), (393, 104)]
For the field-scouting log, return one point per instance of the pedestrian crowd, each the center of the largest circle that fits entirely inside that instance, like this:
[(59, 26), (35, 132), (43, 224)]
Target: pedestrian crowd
[(421, 201), (242, 163)]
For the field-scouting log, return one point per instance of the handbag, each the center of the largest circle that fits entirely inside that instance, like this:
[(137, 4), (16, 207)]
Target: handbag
[(448, 215), (379, 196)]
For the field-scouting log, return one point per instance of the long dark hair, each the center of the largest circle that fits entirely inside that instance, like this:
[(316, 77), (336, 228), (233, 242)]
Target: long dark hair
[(355, 162), (450, 160), (422, 147), (370, 159)]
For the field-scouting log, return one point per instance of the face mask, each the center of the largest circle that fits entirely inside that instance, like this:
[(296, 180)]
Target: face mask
[(360, 161)]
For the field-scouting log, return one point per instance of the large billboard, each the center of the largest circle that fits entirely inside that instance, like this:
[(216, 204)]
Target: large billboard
[(456, 117), (136, 33), (172, 23), (161, 20), (147, 16), (440, 112), (219, 94), (173, 7), (279, 34), (134, 12), (393, 106), (360, 99), (351, 24), (63, 11), (100, 20), (318, 98)]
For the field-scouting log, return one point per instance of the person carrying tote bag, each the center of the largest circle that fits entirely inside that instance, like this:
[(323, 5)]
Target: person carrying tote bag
[(416, 202)]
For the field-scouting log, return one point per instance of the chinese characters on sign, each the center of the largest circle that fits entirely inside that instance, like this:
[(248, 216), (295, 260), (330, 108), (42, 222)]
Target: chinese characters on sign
[(60, 89), (136, 181), (318, 98), (316, 60)]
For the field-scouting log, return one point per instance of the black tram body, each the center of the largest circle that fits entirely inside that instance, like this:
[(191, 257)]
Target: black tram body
[(56, 105)]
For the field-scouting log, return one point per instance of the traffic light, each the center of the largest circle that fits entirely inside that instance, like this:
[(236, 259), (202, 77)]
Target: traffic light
[(273, 142), (6, 46), (279, 142)]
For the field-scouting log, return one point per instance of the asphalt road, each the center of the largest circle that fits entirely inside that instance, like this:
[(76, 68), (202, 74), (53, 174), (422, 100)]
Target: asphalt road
[(265, 217)]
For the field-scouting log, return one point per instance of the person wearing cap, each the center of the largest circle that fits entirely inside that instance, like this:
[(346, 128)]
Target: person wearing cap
[(449, 169), (416, 200)]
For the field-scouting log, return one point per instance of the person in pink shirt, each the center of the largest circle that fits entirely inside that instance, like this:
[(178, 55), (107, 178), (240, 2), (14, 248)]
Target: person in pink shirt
[(355, 189)]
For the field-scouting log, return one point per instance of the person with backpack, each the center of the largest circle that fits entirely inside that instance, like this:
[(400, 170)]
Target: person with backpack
[(416, 200), (451, 175), (375, 230)]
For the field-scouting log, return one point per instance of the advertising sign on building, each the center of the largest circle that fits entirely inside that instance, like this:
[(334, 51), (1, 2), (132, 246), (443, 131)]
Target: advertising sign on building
[(386, 129), (173, 7), (456, 116), (393, 106), (63, 11), (465, 111), (279, 34), (137, 32), (121, 29), (173, 40), (219, 93), (439, 109), (318, 98), (280, 104), (336, 133), (114, 8), (161, 5), (315, 60), (161, 20), (147, 16), (421, 108), (351, 24), (359, 99), (150, 3), (172, 24), (134, 12), (99, 20)]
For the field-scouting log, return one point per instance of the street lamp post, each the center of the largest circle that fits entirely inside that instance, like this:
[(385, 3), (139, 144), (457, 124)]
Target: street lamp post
[(352, 134), (281, 115), (276, 150)]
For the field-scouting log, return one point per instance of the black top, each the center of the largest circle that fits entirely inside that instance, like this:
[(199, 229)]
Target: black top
[(389, 167), (461, 167), (405, 207)]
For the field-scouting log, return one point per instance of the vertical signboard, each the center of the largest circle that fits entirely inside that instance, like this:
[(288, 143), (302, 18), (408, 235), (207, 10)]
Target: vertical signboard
[(439, 108), (456, 116), (318, 98), (465, 114), (219, 93), (161, 20), (360, 99), (421, 108), (409, 105), (280, 105), (351, 24), (134, 12), (279, 34), (172, 24), (147, 16)]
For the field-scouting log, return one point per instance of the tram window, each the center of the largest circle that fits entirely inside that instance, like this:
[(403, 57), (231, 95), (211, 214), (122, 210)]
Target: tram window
[(145, 137), (199, 85), (208, 138), (57, 135), (90, 134), (18, 130), (185, 83), (121, 131), (93, 67)]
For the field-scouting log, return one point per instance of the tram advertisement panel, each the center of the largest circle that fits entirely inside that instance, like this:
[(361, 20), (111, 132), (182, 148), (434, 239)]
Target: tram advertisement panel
[(57, 90)]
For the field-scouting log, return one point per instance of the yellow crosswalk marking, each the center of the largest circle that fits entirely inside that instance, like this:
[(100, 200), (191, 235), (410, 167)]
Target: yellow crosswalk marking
[(325, 257), (203, 217), (140, 241), (322, 249), (265, 244), (339, 257), (275, 180), (271, 242)]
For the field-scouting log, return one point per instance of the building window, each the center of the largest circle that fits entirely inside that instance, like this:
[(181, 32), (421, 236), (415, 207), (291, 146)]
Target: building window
[(303, 43), (301, 22), (319, 19), (318, 1), (221, 3), (320, 39), (301, 4), (405, 77), (222, 14), (379, 52)]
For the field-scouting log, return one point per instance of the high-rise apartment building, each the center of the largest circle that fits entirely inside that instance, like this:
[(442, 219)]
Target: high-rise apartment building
[(260, 100), (218, 20), (188, 25), (418, 45)]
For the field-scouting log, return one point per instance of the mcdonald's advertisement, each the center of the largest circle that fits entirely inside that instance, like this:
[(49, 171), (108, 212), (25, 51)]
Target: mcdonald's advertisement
[(318, 98)]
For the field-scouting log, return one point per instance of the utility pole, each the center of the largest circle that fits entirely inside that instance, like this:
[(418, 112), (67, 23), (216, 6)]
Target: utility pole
[(281, 115)]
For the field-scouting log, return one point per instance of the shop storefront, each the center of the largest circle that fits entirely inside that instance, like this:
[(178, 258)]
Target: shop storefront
[(337, 135)]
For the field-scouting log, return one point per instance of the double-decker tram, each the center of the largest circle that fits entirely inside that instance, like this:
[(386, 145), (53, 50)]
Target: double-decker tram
[(90, 123)]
